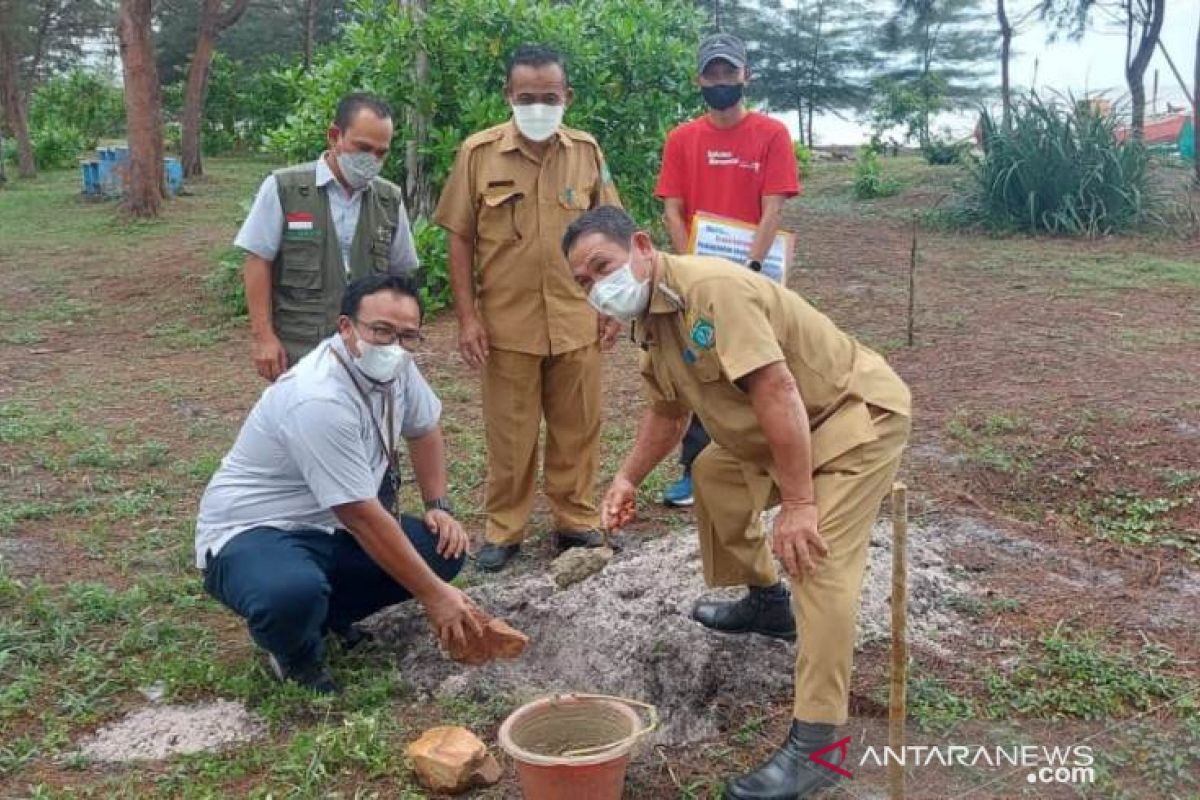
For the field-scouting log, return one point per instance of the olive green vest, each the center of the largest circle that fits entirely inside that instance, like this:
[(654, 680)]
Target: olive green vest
[(308, 276)]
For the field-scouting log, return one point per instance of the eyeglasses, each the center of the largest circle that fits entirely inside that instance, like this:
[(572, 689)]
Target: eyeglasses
[(383, 334)]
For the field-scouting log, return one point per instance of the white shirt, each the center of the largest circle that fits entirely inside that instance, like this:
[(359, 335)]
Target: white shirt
[(262, 231), (308, 445)]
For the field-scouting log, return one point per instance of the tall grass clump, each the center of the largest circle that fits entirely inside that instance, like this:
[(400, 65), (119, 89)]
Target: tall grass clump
[(1060, 168)]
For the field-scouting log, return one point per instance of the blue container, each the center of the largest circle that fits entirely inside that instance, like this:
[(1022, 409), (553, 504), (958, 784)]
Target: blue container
[(91, 178), (173, 168)]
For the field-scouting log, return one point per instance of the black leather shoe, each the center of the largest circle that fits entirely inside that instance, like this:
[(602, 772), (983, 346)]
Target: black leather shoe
[(314, 677), (493, 557), (763, 610), (791, 774), (354, 637), (565, 540)]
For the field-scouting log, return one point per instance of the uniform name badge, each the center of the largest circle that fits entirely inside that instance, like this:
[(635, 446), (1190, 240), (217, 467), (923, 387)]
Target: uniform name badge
[(300, 225), (713, 235)]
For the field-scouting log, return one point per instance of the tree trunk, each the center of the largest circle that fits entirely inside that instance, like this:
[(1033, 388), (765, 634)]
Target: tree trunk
[(310, 32), (1006, 35), (812, 67), (418, 187), (1135, 67), (15, 100), (143, 109), (212, 23)]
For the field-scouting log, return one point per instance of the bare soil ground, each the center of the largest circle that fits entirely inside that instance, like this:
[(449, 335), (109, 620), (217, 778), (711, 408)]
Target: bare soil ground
[(1056, 444)]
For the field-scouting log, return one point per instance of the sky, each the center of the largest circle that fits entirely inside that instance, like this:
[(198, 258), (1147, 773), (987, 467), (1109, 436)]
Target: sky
[(1094, 64)]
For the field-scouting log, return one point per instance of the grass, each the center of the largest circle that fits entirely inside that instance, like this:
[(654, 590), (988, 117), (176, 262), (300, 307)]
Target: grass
[(105, 475), (1063, 674)]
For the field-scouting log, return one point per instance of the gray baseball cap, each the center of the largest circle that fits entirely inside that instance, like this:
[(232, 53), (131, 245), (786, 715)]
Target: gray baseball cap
[(721, 45)]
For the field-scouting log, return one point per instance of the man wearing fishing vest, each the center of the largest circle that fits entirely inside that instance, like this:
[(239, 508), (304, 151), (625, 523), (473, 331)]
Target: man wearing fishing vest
[(316, 227)]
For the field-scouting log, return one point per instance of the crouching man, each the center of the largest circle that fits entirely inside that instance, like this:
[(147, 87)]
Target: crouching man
[(801, 417), (291, 535)]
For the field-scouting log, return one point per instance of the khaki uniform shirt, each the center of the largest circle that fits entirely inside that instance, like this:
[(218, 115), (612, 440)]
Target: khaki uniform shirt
[(516, 208), (711, 323)]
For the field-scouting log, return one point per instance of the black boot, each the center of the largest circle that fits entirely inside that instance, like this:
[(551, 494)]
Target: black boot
[(766, 610), (493, 557), (790, 774)]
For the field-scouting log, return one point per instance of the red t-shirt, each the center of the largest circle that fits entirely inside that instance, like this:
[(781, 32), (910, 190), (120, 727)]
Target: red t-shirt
[(726, 171)]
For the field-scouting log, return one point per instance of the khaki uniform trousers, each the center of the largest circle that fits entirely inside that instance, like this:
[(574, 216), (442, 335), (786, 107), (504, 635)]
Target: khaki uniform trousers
[(520, 389), (731, 495)]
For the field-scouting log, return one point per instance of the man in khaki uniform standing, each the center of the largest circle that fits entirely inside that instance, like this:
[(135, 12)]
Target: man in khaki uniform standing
[(512, 193), (801, 416)]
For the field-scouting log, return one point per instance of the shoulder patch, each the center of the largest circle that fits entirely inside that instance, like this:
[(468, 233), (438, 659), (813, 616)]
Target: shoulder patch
[(580, 136), (483, 137), (703, 334)]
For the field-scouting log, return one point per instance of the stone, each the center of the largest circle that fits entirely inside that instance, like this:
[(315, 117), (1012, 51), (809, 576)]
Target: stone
[(579, 563), (498, 640), (451, 759)]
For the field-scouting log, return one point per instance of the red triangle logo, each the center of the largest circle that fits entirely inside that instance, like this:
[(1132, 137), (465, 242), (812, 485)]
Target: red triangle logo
[(841, 746)]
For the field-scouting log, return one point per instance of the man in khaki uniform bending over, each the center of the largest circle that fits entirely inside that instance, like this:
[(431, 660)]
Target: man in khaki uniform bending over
[(801, 416), (513, 191)]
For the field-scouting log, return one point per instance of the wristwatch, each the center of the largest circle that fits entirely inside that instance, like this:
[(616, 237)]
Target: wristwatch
[(754, 264), (440, 504)]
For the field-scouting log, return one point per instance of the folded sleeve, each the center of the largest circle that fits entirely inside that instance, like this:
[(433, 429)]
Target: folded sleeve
[(422, 408), (262, 231)]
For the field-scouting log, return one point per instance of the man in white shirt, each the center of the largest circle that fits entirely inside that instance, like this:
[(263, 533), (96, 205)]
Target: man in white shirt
[(317, 226), (291, 534)]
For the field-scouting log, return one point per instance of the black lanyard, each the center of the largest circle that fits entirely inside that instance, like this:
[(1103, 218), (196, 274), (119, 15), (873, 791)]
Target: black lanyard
[(390, 454)]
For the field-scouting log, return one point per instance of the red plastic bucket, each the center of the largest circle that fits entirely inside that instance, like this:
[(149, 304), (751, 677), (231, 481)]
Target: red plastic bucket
[(574, 746)]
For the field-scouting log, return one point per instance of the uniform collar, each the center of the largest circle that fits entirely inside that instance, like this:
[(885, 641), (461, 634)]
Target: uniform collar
[(325, 175), (664, 299), (511, 139)]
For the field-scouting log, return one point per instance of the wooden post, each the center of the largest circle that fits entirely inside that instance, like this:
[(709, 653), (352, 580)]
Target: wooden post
[(897, 699), (912, 282)]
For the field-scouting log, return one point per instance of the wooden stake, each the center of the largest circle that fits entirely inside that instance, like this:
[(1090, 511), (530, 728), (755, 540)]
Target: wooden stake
[(912, 281), (897, 704)]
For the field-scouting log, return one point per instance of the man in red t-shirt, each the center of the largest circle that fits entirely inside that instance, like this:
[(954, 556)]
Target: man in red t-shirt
[(731, 162)]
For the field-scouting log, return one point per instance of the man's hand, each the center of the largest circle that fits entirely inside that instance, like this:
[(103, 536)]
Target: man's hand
[(450, 616), (620, 504), (472, 342), (452, 539), (270, 359), (796, 540), (609, 329)]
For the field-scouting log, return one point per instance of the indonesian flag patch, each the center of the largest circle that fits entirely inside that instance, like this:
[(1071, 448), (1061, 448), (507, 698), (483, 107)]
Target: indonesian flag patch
[(299, 221)]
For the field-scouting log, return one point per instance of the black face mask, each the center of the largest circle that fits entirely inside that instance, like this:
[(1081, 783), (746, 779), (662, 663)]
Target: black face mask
[(723, 95)]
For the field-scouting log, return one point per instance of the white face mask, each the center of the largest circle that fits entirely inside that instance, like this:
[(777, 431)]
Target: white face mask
[(621, 294), (381, 362), (359, 169), (537, 122)]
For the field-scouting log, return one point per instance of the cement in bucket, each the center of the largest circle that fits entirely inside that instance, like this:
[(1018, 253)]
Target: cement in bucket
[(574, 746)]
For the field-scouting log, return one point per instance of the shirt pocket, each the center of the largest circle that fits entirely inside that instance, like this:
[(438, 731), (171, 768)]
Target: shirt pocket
[(301, 267), (575, 199), (381, 249), (705, 366), (498, 215)]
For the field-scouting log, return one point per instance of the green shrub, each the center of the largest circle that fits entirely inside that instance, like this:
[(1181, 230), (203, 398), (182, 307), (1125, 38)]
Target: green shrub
[(631, 64), (241, 106), (869, 181), (804, 157), (85, 101), (943, 152), (57, 146), (435, 269), (1059, 169)]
